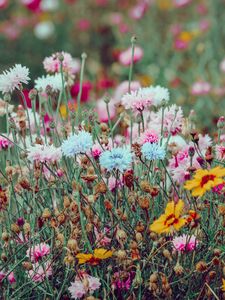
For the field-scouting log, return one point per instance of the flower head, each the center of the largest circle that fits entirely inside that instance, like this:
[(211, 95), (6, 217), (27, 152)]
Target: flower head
[(138, 100), (153, 151), (95, 258), (13, 78), (125, 57), (38, 251), (205, 180), (171, 220), (159, 94), (185, 243), (54, 81), (77, 144), (5, 143), (84, 284), (39, 273), (44, 153), (116, 158), (149, 136)]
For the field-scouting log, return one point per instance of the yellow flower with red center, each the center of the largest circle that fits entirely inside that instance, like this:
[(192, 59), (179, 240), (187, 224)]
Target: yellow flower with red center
[(205, 180), (185, 36), (171, 220), (95, 258)]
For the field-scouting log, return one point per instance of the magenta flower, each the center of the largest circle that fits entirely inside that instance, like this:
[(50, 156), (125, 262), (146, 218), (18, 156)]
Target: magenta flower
[(11, 278), (125, 57), (38, 251)]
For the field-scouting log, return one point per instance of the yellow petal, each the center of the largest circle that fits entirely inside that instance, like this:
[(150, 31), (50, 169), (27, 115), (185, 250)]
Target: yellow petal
[(102, 253), (83, 258), (169, 208), (178, 208)]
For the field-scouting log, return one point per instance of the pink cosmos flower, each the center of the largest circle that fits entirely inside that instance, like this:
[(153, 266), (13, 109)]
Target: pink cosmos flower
[(83, 24), (200, 88), (70, 65), (11, 278), (39, 273), (185, 243), (5, 143), (138, 11), (38, 251), (180, 44), (33, 5), (79, 288), (125, 57), (149, 136)]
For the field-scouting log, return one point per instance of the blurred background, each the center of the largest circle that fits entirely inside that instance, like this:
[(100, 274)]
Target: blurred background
[(181, 44)]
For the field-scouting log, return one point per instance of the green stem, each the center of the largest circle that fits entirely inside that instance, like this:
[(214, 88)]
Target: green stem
[(83, 57)]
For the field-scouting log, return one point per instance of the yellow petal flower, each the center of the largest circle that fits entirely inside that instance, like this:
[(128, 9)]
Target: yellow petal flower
[(83, 258), (102, 253)]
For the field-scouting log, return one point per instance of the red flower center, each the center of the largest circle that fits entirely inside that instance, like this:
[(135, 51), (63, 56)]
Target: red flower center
[(94, 261), (206, 179), (170, 220)]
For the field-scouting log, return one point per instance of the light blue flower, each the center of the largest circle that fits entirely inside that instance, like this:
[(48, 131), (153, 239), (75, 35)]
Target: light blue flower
[(77, 144), (116, 158), (153, 151)]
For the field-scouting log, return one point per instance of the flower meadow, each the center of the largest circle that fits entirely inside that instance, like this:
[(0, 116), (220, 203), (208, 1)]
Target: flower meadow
[(120, 197)]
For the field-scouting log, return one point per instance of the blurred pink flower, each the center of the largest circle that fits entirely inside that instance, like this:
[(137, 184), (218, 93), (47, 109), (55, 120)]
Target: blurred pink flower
[(86, 88), (180, 44), (121, 280), (70, 65), (5, 143), (138, 100), (101, 109), (83, 24), (101, 238), (4, 4), (200, 88), (123, 88), (2, 276), (39, 273), (181, 3), (33, 5), (11, 278), (220, 152), (204, 25), (35, 253), (185, 243), (125, 57), (138, 11)]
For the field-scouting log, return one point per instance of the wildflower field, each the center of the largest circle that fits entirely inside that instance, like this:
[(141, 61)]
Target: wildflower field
[(112, 159)]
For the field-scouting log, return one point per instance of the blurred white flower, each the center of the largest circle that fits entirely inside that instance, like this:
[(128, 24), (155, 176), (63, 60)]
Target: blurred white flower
[(54, 81), (44, 30), (49, 5)]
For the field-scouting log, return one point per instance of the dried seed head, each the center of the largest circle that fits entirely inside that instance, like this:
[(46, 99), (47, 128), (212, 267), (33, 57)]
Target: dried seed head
[(145, 186), (143, 202), (66, 202), (153, 278), (72, 245), (201, 266), (167, 254), (121, 254), (26, 228), (5, 236), (15, 228), (69, 260), (178, 269), (46, 214), (27, 265), (138, 237)]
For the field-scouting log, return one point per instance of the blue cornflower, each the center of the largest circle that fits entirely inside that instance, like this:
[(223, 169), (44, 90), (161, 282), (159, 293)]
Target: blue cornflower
[(77, 144), (116, 158), (153, 151)]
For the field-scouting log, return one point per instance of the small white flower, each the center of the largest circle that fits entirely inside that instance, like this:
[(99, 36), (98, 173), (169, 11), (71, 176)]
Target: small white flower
[(44, 30), (159, 94), (13, 78), (55, 81)]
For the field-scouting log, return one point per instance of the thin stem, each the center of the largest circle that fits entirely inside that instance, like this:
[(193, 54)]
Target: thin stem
[(83, 57)]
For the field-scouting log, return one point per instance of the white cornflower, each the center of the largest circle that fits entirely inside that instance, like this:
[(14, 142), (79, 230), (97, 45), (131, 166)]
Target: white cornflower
[(13, 78), (159, 94), (54, 81)]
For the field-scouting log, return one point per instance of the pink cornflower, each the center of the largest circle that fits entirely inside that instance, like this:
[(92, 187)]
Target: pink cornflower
[(125, 57), (4, 3), (44, 153), (96, 151), (185, 243), (101, 238), (40, 272), (83, 284), (200, 88), (122, 280), (5, 143), (172, 120), (38, 251), (138, 100), (220, 152), (11, 278), (149, 136), (2, 276), (219, 189), (70, 65)]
